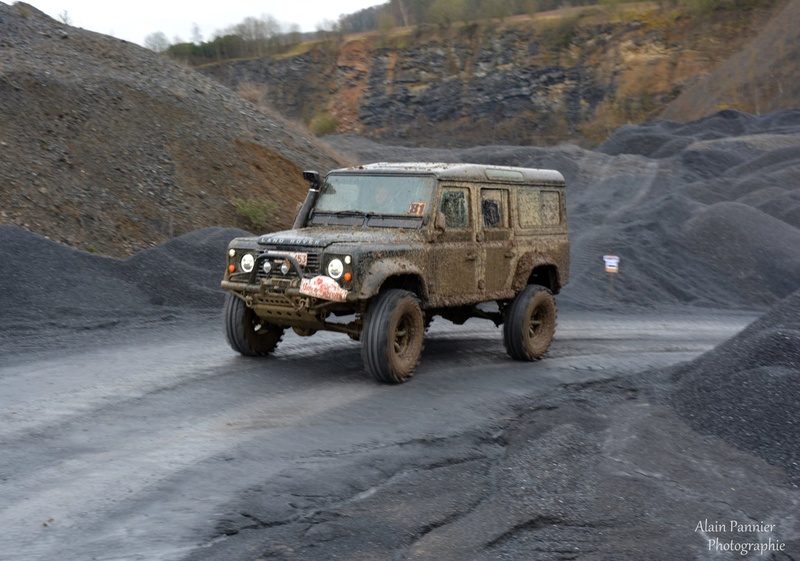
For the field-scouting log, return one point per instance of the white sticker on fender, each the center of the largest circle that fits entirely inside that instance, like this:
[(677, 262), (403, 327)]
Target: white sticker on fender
[(323, 287)]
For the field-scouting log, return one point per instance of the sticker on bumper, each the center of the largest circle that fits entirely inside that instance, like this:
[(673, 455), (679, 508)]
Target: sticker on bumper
[(323, 287)]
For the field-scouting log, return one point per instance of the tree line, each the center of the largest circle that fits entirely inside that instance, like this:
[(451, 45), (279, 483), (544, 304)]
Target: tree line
[(252, 37), (258, 37), (444, 12), (447, 12)]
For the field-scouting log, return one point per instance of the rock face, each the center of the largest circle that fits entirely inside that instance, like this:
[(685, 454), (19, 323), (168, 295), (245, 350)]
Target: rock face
[(107, 146), (571, 75), (489, 88)]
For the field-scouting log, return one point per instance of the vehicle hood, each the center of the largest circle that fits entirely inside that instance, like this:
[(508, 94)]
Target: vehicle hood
[(323, 237)]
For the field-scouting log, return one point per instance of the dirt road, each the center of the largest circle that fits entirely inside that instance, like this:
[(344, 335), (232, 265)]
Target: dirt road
[(157, 442)]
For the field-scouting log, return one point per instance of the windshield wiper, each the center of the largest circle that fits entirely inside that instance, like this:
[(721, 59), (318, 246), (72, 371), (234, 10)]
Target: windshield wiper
[(339, 214), (358, 213), (350, 213)]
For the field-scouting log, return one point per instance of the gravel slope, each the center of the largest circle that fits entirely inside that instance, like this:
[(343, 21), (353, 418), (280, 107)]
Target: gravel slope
[(704, 213), (746, 390), (111, 147)]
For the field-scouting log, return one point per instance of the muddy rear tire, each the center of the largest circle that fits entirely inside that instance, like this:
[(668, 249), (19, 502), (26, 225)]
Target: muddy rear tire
[(393, 336), (530, 323), (246, 333)]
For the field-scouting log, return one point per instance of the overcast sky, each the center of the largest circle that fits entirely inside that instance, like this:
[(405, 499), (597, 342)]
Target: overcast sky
[(133, 21)]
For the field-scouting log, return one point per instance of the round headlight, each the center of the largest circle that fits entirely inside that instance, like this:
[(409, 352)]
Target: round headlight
[(267, 266), (335, 268), (248, 262)]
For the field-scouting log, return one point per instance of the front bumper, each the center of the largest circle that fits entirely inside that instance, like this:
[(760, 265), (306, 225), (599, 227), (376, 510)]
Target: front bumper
[(296, 296), (299, 292)]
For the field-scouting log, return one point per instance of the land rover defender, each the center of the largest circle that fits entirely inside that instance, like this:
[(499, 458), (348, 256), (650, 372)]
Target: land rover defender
[(378, 250)]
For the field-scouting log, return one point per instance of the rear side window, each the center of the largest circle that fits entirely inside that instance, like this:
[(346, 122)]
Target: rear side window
[(455, 206), (493, 208), (551, 208), (539, 208)]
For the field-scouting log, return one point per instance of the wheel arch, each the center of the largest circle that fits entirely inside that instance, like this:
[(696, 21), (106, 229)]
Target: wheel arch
[(400, 274), (535, 269), (546, 276)]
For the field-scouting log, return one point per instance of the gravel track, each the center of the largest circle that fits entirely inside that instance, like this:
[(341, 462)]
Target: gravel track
[(163, 444), (131, 431)]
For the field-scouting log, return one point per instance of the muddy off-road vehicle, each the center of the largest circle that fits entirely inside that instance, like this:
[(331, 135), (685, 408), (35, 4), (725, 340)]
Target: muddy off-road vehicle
[(378, 250)]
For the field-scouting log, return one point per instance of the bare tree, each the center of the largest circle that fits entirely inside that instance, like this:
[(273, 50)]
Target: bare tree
[(64, 17), (273, 26), (328, 28), (403, 12), (293, 33), (197, 35), (157, 42), (255, 33)]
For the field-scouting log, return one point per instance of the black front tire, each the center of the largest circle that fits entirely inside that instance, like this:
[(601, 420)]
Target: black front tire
[(247, 333), (530, 323), (393, 336)]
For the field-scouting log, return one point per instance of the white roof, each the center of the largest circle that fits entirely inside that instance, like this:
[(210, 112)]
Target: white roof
[(463, 172)]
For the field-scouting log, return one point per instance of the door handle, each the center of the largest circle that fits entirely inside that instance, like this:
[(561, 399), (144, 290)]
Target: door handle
[(472, 256)]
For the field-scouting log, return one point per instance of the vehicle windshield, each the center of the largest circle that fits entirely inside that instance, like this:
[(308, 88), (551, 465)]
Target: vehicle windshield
[(399, 201)]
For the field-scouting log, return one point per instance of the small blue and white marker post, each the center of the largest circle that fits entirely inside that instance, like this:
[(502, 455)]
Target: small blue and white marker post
[(612, 268)]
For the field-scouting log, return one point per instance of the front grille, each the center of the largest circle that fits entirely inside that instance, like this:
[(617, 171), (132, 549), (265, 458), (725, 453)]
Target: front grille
[(312, 266)]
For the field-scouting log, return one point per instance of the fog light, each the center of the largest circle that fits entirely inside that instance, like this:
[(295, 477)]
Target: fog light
[(267, 267), (285, 268)]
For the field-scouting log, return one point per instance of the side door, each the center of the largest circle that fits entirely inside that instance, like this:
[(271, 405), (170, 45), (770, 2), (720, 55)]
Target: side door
[(455, 254), (496, 237)]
